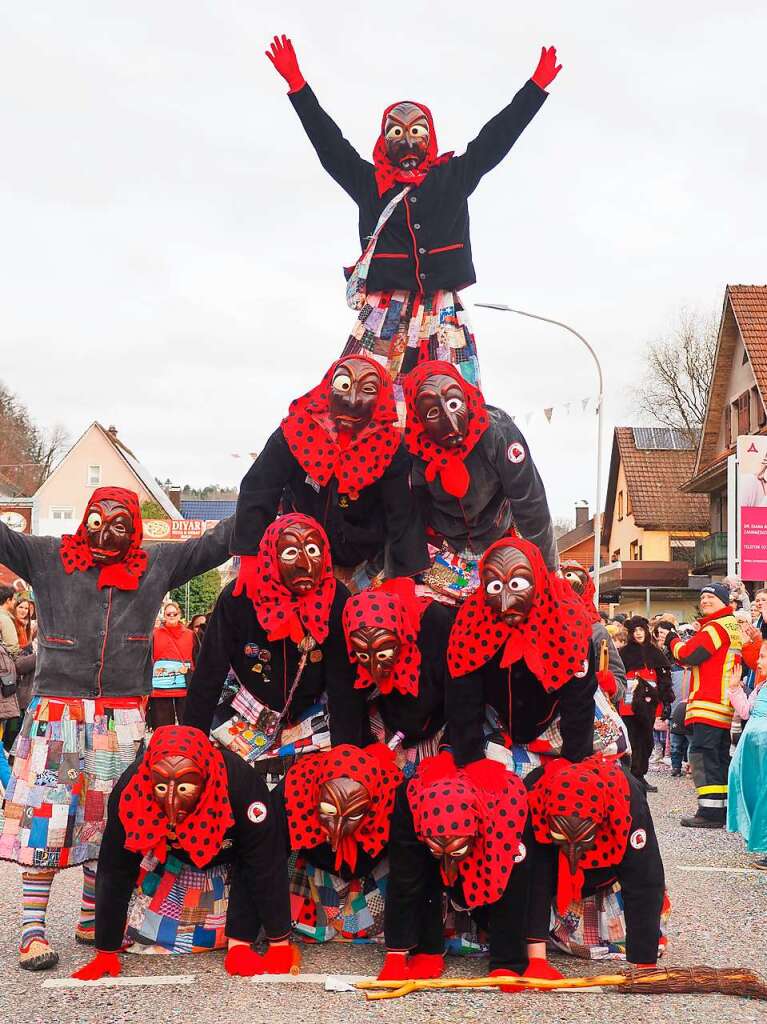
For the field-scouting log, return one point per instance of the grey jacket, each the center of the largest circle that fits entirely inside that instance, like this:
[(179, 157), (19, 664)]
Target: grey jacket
[(506, 489), (599, 633), (98, 643)]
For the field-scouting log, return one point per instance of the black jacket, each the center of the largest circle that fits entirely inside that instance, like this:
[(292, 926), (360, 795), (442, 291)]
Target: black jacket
[(504, 491), (640, 874), (417, 717), (267, 668), (532, 709), (259, 881), (384, 519), (425, 245), (413, 914)]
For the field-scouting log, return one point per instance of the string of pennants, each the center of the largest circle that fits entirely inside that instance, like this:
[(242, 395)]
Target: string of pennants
[(577, 406)]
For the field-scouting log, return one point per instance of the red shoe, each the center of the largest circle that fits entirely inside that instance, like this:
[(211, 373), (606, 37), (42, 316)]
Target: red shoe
[(539, 967), (426, 965), (502, 972)]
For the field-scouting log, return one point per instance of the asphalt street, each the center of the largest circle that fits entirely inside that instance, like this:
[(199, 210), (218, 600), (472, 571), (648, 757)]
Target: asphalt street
[(719, 918)]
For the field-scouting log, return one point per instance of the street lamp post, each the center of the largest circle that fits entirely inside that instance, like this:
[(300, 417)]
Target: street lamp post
[(600, 399)]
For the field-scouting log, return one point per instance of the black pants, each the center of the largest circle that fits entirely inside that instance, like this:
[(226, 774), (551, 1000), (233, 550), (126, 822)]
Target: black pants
[(165, 711), (710, 761), (641, 740)]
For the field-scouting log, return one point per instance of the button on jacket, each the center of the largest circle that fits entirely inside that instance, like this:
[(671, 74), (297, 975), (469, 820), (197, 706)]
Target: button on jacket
[(98, 643), (425, 245)]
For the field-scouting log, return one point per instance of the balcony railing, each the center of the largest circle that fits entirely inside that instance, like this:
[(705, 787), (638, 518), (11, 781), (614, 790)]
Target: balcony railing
[(711, 553)]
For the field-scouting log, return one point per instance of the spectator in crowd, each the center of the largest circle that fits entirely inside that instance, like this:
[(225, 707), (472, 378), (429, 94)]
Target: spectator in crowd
[(739, 599), (173, 657), (680, 738), (760, 605), (620, 638), (747, 779), (22, 614), (197, 624), (9, 636)]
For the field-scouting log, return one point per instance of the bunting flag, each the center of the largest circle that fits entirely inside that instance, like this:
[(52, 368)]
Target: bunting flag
[(567, 408)]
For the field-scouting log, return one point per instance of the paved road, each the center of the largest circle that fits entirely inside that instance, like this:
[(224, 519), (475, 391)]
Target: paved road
[(719, 918)]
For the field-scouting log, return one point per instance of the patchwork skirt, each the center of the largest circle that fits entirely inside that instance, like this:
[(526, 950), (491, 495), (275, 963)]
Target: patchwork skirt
[(178, 908), (400, 329), (68, 756), (325, 907)]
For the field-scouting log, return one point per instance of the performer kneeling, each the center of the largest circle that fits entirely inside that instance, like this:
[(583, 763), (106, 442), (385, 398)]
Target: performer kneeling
[(460, 832), (188, 800), (593, 829)]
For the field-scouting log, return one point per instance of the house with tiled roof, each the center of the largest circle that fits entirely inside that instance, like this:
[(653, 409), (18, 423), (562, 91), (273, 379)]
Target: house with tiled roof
[(736, 405), (577, 545), (651, 525)]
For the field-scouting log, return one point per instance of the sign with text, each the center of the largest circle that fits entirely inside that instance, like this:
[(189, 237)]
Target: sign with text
[(752, 498), (176, 529)]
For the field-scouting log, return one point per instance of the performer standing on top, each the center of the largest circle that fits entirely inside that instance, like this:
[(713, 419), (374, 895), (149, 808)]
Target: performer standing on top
[(413, 218)]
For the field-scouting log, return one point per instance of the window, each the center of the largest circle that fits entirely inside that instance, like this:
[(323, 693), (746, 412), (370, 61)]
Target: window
[(94, 475), (744, 413), (732, 436), (682, 549), (629, 506), (616, 555), (61, 512), (758, 415), (635, 551), (620, 505)]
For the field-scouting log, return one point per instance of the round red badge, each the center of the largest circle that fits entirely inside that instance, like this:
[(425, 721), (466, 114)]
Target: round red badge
[(257, 812), (516, 453), (638, 839)]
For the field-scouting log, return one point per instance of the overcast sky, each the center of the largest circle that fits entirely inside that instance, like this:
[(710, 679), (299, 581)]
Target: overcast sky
[(170, 248)]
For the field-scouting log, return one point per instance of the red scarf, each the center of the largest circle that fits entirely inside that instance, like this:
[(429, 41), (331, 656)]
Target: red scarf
[(374, 767), (589, 591), (393, 606), (595, 788), (76, 554), (445, 802), (202, 833), (355, 460), (553, 640), (279, 611), (387, 174), (448, 462)]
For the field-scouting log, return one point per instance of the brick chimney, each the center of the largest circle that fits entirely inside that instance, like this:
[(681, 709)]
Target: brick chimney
[(174, 493), (112, 431), (581, 512)]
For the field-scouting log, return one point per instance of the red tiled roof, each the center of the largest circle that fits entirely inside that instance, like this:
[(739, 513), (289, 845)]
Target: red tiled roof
[(749, 304), (654, 477)]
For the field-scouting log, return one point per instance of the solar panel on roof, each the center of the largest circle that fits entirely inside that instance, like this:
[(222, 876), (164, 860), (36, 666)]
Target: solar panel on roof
[(661, 439)]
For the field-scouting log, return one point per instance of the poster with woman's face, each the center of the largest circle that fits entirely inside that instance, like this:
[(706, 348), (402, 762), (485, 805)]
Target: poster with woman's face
[(752, 498)]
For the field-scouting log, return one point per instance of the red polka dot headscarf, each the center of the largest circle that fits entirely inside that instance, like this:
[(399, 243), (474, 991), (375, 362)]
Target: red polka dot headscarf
[(447, 462), (76, 554), (359, 460), (372, 766), (553, 640), (202, 833), (279, 611), (392, 606), (446, 802), (596, 789), (387, 174)]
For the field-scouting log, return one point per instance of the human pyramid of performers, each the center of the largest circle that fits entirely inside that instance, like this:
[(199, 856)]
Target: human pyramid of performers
[(400, 727)]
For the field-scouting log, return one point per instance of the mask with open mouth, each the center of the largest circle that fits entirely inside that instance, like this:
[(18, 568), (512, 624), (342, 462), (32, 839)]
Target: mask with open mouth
[(108, 538), (406, 149)]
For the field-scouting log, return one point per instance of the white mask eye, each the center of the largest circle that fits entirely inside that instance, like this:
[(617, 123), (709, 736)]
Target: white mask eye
[(186, 788), (454, 405), (385, 655), (356, 817), (313, 550), (417, 130), (94, 521), (460, 851), (342, 382), (328, 808), (433, 413), (289, 554), (519, 584), (363, 657), (395, 132), (494, 587), (161, 788)]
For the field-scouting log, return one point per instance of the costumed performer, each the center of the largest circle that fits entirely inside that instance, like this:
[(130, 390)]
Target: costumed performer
[(97, 594), (338, 456), (612, 679), (747, 780), (413, 219), (283, 642), (187, 804), (594, 842)]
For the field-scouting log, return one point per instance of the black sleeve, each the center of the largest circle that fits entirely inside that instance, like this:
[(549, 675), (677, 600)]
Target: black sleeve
[(213, 662), (339, 158), (406, 550), (524, 489), (347, 706), (499, 135), (413, 909), (465, 711), (191, 558), (576, 710), (17, 551), (643, 884), (259, 892), (260, 493), (116, 876)]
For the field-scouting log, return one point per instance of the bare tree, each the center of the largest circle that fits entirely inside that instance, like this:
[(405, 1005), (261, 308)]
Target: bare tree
[(562, 525), (678, 366), (27, 452)]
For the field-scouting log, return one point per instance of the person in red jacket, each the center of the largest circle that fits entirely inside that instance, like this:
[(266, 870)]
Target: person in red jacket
[(712, 653), (172, 657)]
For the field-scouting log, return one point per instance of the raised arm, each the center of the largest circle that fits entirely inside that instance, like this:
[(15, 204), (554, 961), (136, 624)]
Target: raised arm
[(207, 681), (260, 493), (339, 158), (502, 131), (190, 558), (16, 551)]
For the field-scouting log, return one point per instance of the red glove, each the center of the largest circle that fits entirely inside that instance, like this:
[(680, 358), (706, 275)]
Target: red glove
[(487, 774), (100, 966), (394, 968), (426, 965), (283, 56), (544, 74), (538, 967), (280, 959), (383, 754), (607, 683), (502, 972), (248, 579), (243, 961)]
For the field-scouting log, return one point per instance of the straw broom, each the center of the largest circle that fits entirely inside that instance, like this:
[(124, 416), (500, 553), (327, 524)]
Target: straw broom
[(736, 981)]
